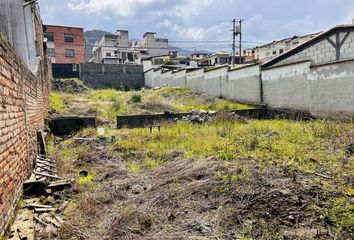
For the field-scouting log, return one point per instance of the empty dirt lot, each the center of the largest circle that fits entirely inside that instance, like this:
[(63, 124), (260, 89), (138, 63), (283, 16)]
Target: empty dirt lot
[(229, 178)]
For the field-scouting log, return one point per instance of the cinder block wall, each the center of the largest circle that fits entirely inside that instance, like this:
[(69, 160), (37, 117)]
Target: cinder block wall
[(287, 86), (322, 90), (112, 75), (23, 107)]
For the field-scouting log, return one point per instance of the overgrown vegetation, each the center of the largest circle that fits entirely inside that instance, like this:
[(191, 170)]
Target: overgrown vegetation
[(109, 103), (299, 173), (230, 178)]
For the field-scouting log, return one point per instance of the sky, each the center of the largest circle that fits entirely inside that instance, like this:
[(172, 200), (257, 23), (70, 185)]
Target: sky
[(201, 24)]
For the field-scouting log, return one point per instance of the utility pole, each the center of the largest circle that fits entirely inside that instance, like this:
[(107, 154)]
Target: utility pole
[(234, 42), (241, 21), (237, 31)]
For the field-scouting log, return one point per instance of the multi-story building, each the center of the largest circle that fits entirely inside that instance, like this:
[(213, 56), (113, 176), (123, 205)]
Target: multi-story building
[(271, 50), (197, 56), (113, 49), (152, 45), (216, 59), (66, 45)]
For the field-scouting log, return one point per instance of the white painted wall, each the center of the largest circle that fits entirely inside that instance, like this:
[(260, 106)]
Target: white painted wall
[(179, 79), (325, 90), (287, 86), (166, 78), (331, 88), (244, 84), (195, 80)]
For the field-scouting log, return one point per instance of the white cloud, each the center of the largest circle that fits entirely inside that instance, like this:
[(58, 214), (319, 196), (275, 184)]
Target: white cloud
[(127, 8), (121, 8)]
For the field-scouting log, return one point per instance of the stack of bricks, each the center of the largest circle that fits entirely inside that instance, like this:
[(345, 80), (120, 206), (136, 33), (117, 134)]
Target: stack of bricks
[(23, 107)]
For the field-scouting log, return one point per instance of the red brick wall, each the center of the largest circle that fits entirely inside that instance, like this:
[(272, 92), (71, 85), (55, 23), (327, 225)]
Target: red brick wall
[(23, 106), (60, 45)]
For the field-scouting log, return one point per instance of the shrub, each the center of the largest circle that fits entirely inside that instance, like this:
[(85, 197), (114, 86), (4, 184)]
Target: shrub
[(136, 98)]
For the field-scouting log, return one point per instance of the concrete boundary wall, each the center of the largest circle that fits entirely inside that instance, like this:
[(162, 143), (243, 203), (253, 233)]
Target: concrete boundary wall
[(179, 78), (166, 78), (287, 86), (97, 75), (195, 80), (244, 84), (322, 90), (331, 89)]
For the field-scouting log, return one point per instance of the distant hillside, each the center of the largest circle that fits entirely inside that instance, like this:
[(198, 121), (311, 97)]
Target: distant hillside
[(94, 35), (91, 37)]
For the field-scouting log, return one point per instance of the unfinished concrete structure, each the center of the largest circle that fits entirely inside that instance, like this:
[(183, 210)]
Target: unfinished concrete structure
[(113, 49)]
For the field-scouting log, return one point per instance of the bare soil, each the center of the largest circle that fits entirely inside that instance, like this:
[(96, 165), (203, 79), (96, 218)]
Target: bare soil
[(185, 199)]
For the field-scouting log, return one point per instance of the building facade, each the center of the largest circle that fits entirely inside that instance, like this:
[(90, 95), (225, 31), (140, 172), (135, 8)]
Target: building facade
[(272, 50), (152, 45), (66, 45), (113, 49)]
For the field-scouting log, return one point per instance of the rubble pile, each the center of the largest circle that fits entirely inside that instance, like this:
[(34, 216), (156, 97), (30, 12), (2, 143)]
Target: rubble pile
[(70, 86), (43, 205), (198, 117)]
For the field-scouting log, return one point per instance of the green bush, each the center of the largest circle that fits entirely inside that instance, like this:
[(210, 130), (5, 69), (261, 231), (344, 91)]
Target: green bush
[(136, 98)]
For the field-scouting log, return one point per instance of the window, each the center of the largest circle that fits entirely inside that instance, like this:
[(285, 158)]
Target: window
[(49, 36), (116, 53), (295, 42), (281, 51), (274, 52), (68, 38), (70, 53), (108, 54), (51, 52)]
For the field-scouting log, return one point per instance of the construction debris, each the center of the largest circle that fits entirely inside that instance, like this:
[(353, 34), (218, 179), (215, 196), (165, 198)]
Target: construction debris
[(44, 205), (70, 86)]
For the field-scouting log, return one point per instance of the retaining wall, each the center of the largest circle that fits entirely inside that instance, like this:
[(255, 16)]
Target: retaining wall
[(23, 107), (112, 75)]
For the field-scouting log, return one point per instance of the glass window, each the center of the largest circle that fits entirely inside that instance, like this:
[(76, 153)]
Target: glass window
[(49, 36), (69, 53), (51, 52), (281, 51), (68, 38), (108, 54)]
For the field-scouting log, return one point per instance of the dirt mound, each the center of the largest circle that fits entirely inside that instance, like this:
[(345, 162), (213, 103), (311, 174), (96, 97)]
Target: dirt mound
[(68, 86)]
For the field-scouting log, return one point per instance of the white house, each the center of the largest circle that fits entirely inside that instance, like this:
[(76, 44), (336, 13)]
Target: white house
[(113, 49)]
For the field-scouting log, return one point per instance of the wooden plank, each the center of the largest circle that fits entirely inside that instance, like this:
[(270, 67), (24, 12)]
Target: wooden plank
[(40, 221), (46, 175), (33, 205), (45, 163), (41, 210)]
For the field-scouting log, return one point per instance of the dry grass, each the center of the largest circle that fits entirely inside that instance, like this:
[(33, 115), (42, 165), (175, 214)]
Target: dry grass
[(110, 103), (223, 180)]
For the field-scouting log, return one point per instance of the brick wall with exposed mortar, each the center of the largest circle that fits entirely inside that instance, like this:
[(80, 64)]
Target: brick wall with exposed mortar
[(23, 106)]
